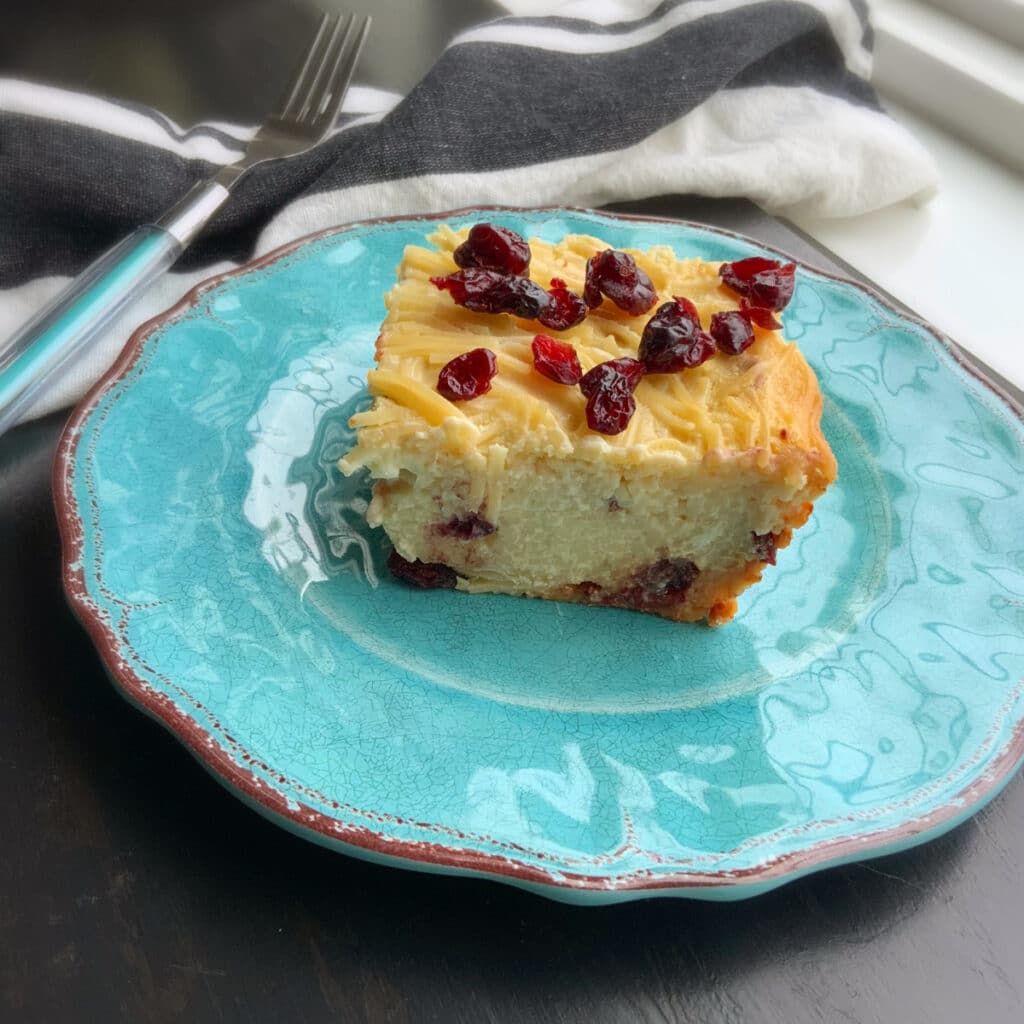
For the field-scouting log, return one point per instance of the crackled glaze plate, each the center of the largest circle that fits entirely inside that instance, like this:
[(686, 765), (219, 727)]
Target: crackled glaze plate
[(868, 695)]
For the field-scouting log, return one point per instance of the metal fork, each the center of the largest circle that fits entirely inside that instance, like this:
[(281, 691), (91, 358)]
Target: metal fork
[(63, 330)]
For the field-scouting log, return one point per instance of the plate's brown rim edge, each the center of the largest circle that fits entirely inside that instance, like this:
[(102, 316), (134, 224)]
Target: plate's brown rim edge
[(423, 852)]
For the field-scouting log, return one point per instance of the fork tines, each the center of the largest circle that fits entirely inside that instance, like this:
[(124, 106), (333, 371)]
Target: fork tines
[(321, 83)]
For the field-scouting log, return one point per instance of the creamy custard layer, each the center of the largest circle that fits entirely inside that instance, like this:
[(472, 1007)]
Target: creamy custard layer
[(562, 521)]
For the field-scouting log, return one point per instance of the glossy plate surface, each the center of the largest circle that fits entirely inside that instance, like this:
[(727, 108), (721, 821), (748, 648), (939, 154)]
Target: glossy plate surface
[(867, 696)]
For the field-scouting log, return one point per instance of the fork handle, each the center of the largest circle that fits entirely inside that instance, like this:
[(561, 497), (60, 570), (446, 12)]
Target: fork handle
[(68, 326)]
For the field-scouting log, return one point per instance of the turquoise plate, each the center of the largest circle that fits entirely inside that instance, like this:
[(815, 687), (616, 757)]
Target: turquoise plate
[(868, 695)]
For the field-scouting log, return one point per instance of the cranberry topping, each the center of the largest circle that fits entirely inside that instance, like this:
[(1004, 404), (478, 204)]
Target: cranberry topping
[(762, 317), (468, 375), (673, 340), (616, 275), (609, 412), (768, 284), (565, 308), (687, 306), (488, 291), (608, 374), (609, 388), (429, 575), (492, 247), (469, 527), (732, 332), (556, 360), (764, 547)]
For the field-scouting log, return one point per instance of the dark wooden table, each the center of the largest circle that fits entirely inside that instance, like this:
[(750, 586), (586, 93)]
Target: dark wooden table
[(133, 887)]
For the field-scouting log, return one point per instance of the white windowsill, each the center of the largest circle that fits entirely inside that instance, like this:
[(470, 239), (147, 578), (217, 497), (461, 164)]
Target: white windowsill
[(966, 80), (959, 88), (955, 259)]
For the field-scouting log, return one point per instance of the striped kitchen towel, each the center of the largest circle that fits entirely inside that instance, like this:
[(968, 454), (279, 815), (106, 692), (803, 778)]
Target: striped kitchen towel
[(597, 102)]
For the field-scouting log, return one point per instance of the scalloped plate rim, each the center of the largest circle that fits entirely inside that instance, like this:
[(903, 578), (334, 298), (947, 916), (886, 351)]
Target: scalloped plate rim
[(446, 858)]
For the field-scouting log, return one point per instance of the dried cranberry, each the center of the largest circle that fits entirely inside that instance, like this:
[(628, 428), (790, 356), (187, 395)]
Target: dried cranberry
[(566, 309), (673, 340), (469, 527), (663, 583), (616, 275), (429, 575), (491, 247), (764, 547), (768, 284), (556, 360), (609, 412), (659, 585), (762, 317), (468, 375), (609, 388), (629, 372), (688, 307), (732, 332), (488, 291)]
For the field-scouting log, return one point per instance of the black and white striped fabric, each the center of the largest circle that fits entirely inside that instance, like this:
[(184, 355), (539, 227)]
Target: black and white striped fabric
[(599, 101)]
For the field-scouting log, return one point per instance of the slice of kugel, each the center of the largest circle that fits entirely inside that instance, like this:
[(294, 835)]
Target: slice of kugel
[(512, 492)]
